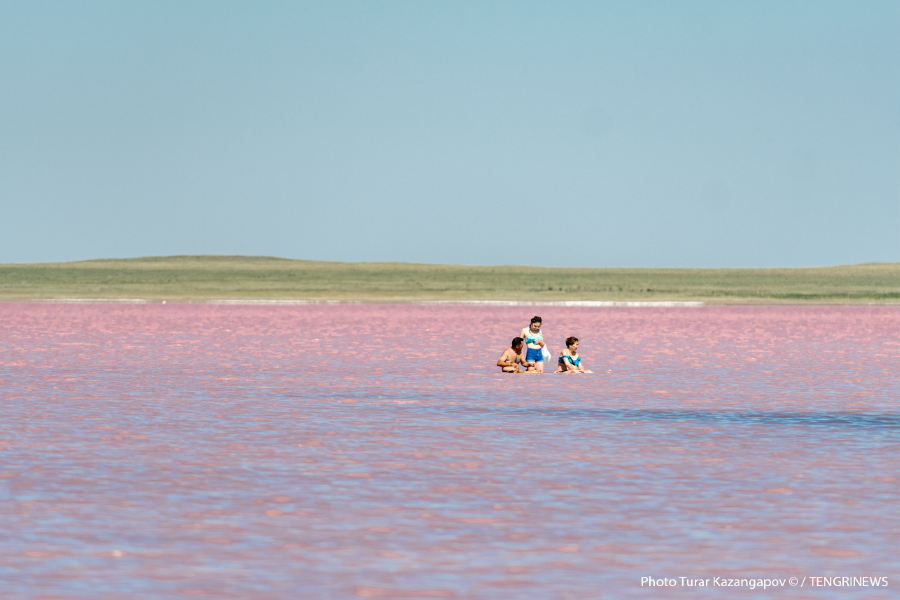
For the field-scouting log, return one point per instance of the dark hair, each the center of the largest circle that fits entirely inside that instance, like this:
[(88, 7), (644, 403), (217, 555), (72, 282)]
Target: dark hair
[(571, 340), (516, 341), (536, 320)]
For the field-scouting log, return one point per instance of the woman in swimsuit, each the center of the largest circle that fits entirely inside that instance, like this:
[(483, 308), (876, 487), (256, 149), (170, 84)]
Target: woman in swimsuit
[(534, 344), (569, 361)]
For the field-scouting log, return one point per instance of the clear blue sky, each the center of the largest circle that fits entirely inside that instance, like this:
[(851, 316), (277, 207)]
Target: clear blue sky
[(578, 133)]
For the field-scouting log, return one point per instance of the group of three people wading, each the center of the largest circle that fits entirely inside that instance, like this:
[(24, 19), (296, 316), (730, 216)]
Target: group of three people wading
[(532, 341)]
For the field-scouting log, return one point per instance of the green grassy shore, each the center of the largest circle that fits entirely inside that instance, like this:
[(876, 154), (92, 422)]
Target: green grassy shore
[(198, 278)]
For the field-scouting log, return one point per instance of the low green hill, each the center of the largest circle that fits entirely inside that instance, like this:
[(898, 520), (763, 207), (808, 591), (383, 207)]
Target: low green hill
[(211, 277)]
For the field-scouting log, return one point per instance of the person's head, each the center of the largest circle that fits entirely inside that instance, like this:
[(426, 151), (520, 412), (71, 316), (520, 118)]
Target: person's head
[(572, 343), (517, 344), (535, 323)]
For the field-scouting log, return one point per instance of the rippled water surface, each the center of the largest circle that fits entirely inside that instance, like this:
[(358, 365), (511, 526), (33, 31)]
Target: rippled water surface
[(157, 451)]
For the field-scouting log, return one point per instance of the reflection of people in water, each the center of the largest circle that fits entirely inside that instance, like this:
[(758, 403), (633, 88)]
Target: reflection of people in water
[(512, 358), (569, 361), (534, 344)]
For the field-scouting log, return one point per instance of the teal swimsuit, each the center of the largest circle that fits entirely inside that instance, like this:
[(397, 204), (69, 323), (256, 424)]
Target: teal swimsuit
[(574, 361)]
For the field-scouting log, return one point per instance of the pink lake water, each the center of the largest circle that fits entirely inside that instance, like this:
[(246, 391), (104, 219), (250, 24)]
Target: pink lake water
[(372, 451)]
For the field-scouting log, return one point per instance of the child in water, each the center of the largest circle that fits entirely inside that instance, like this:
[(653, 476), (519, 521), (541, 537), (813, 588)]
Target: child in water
[(569, 361)]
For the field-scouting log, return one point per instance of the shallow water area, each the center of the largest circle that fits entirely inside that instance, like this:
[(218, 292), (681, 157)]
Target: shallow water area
[(373, 451)]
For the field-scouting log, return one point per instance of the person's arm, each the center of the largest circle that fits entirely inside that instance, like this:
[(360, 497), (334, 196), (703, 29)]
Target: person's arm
[(520, 360), (505, 362), (567, 363)]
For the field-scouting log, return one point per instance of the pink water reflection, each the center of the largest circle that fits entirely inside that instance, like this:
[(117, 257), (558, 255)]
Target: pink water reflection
[(373, 451)]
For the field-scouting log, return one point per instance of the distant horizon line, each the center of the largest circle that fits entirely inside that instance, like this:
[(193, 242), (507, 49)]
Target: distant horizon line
[(390, 262)]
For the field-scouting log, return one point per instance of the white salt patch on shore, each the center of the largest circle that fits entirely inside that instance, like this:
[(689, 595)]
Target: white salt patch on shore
[(251, 301), (561, 303), (91, 300)]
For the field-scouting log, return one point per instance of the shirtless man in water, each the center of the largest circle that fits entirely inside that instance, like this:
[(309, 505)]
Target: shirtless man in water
[(512, 357)]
